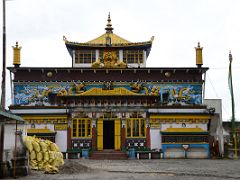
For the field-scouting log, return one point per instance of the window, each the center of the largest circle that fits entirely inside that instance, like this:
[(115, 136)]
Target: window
[(85, 56), (133, 56), (81, 128), (136, 127), (100, 54)]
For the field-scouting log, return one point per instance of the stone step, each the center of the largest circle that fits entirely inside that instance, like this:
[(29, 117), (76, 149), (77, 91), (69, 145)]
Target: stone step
[(109, 155)]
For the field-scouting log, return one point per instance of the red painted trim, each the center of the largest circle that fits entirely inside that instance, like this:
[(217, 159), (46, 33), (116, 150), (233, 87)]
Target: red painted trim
[(148, 138), (69, 138), (123, 137), (94, 138)]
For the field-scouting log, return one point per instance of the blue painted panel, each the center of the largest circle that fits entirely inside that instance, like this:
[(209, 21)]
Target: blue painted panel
[(34, 93)]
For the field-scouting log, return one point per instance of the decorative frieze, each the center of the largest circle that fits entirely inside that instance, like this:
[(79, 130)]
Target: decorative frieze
[(136, 143), (81, 143), (60, 127), (46, 120)]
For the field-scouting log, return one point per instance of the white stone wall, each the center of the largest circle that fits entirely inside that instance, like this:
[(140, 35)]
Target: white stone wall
[(156, 140), (197, 153), (48, 126), (216, 103), (216, 128), (174, 153), (61, 140), (9, 139)]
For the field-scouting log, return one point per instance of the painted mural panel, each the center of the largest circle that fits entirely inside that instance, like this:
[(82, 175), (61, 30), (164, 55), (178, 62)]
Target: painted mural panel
[(38, 93)]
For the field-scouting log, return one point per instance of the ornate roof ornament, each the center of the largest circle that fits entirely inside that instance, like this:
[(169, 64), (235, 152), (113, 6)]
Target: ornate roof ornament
[(109, 28), (199, 59)]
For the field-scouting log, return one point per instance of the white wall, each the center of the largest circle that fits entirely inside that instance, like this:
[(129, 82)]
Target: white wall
[(61, 140), (216, 103), (9, 135), (216, 128), (156, 140), (42, 126)]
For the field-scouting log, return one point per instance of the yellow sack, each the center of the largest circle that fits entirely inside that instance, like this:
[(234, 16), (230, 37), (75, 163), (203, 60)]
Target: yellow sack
[(36, 146), (57, 162), (39, 156), (50, 169), (34, 164), (59, 155), (54, 147), (33, 155), (28, 143), (52, 154), (44, 146), (50, 160), (41, 166), (46, 156), (48, 142)]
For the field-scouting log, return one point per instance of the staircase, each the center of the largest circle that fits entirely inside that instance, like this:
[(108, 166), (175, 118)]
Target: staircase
[(108, 154)]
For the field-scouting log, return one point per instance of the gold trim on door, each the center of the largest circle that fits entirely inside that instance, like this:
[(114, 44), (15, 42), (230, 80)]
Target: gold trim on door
[(100, 134), (117, 134)]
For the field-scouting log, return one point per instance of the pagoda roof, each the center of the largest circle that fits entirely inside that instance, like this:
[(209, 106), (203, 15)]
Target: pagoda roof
[(101, 41), (115, 39)]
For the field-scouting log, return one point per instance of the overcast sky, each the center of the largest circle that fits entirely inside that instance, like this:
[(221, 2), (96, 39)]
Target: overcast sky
[(39, 25)]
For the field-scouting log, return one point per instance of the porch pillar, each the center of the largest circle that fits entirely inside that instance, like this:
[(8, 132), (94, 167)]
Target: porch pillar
[(94, 142), (123, 133), (148, 138), (123, 137), (69, 138), (69, 132)]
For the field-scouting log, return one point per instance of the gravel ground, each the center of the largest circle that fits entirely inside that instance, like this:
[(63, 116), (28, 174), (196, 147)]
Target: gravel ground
[(167, 169)]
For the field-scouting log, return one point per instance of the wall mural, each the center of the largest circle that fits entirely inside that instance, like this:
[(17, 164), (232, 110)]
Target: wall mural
[(38, 93)]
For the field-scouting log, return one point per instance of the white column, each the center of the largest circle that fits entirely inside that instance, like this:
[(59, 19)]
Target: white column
[(121, 55), (73, 58), (97, 54), (144, 58)]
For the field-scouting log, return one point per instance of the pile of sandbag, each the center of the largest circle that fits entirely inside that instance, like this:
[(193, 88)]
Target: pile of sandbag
[(44, 154)]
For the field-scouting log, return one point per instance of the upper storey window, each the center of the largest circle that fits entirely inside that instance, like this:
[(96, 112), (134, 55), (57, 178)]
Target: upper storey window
[(133, 56), (85, 56)]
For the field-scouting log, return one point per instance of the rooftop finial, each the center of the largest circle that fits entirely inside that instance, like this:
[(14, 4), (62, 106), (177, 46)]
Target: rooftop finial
[(199, 44), (109, 28), (16, 55), (199, 59), (230, 56)]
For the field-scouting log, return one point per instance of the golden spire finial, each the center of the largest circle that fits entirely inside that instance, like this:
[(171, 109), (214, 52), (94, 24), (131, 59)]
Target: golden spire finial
[(199, 61), (16, 55), (109, 28)]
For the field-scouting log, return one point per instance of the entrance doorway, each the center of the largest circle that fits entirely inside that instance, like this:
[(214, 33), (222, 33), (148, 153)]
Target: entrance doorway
[(108, 134)]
